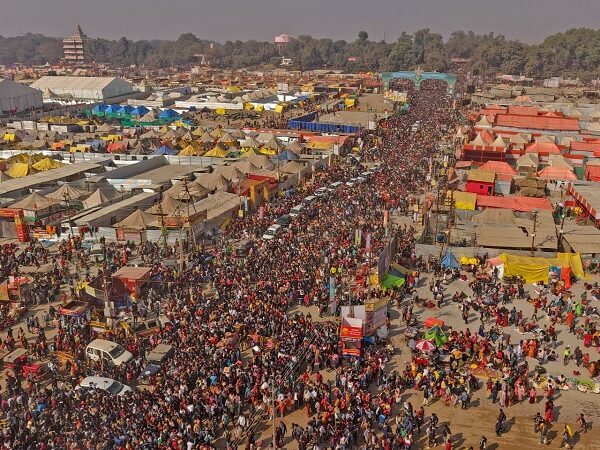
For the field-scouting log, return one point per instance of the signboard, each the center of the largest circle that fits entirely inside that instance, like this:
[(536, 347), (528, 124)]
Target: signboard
[(396, 96), (375, 315), (349, 332), (129, 235)]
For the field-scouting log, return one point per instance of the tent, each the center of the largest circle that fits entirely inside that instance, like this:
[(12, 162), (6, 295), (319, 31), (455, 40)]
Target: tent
[(450, 261), (213, 181), (557, 173), (99, 109), (138, 220), (286, 155), (139, 111), (168, 114), (165, 150), (190, 150), (436, 335), (534, 269), (232, 173), (47, 164), (101, 196), (34, 202), (66, 191), (247, 167), (179, 191), (20, 170), (217, 152), (391, 281), (292, 167), (261, 161), (498, 167)]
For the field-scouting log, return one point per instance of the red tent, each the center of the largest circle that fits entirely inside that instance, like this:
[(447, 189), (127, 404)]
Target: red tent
[(516, 203), (592, 173), (499, 167)]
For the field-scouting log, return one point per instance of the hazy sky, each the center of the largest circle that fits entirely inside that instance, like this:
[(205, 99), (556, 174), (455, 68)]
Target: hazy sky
[(222, 20)]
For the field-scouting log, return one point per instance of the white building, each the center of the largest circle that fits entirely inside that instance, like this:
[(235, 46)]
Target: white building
[(84, 89), (16, 97)]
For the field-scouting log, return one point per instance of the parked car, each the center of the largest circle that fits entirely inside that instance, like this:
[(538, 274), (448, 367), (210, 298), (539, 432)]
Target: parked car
[(110, 351), (155, 358), (284, 220), (150, 326), (271, 232), (308, 200), (243, 247), (321, 192), (296, 210), (108, 385)]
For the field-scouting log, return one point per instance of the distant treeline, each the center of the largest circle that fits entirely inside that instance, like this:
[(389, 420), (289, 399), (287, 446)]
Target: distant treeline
[(575, 52)]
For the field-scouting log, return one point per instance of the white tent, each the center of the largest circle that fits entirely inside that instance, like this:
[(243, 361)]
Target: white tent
[(16, 97)]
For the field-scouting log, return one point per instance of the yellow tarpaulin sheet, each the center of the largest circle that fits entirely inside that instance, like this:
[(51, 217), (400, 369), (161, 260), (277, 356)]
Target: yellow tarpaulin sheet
[(259, 108), (279, 108), (10, 137), (466, 261), (534, 269), (349, 102), (248, 106), (464, 200), (220, 111), (20, 170)]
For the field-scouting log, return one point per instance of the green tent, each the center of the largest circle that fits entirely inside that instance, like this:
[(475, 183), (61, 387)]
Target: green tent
[(391, 281), (437, 335)]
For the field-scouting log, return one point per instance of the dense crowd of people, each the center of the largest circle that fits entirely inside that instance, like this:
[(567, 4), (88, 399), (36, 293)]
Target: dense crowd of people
[(242, 356)]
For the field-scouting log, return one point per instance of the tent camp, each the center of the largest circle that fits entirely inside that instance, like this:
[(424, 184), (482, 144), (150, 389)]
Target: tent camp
[(213, 181), (47, 164), (20, 170), (165, 150)]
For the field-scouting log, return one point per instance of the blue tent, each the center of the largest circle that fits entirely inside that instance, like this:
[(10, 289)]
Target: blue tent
[(449, 261), (168, 114), (126, 109), (286, 155), (99, 108), (164, 150), (139, 110), (112, 109), (97, 144)]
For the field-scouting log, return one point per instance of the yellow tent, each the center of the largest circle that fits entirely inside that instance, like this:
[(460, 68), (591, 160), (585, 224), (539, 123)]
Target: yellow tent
[(259, 108), (220, 111), (534, 269), (233, 89), (47, 164), (349, 102), (10, 137), (217, 133), (280, 108), (20, 170), (248, 106), (25, 158), (80, 148), (217, 152), (190, 150)]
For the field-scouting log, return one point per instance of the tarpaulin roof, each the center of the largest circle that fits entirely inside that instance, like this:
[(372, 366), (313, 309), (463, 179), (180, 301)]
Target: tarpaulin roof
[(20, 170), (34, 202), (495, 215), (212, 181), (47, 164), (390, 281), (517, 203), (138, 220), (585, 146), (481, 176), (534, 269), (498, 167), (66, 191), (165, 150), (556, 173), (464, 200), (537, 122), (592, 173), (101, 196), (543, 147), (449, 261)]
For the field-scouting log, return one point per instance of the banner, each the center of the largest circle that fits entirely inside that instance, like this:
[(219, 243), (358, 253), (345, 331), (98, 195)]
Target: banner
[(368, 243), (357, 237), (386, 215)]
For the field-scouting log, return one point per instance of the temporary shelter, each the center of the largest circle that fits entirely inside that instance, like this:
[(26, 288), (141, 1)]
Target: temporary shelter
[(165, 150), (190, 150), (232, 173), (66, 192), (292, 167), (245, 167), (261, 161), (213, 181), (389, 281), (47, 164), (139, 111), (217, 152), (101, 196), (286, 155), (533, 269), (557, 173), (450, 261), (34, 202), (168, 206), (436, 335), (138, 220), (20, 170), (168, 114), (193, 191), (498, 167)]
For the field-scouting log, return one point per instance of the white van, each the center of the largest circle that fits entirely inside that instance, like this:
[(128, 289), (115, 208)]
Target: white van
[(110, 351)]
